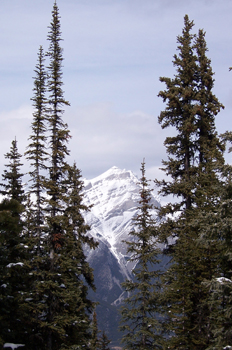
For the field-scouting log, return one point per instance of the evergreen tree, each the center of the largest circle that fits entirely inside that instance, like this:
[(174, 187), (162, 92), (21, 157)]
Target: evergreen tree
[(140, 325), (12, 177), (94, 339), (216, 226), (63, 290), (104, 342), (180, 97), (77, 228), (59, 136), (74, 213), (34, 228), (195, 156), (34, 220), (98, 342), (209, 149), (12, 249), (60, 274), (36, 150), (58, 129), (11, 270)]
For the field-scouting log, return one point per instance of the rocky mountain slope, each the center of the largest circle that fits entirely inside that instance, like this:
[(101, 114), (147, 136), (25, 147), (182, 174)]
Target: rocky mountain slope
[(114, 196)]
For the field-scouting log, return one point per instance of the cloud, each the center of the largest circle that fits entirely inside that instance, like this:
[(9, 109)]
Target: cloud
[(102, 138), (114, 54)]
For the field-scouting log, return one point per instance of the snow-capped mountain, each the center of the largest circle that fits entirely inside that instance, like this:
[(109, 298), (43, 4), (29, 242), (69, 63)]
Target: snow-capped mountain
[(114, 196)]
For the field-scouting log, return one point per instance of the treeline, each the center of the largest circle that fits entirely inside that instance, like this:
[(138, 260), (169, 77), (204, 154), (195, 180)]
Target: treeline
[(188, 303), (44, 274)]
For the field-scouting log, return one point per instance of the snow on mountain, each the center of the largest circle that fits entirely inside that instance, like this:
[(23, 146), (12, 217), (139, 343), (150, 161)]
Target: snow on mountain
[(114, 196)]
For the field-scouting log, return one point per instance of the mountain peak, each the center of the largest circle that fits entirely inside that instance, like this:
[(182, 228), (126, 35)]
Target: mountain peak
[(113, 173), (115, 195), (112, 177)]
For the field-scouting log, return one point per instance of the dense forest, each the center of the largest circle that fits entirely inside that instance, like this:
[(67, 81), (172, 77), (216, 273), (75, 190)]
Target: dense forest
[(45, 277)]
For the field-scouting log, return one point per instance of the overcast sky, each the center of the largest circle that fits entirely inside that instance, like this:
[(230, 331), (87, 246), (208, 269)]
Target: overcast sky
[(114, 53)]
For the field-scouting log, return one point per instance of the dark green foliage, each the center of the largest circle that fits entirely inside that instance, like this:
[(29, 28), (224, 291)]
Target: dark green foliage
[(76, 223), (54, 306), (209, 149), (191, 109), (58, 300), (103, 342), (60, 275), (185, 297), (12, 177), (195, 158), (59, 135), (180, 113), (216, 228), (12, 250), (58, 129), (98, 342), (94, 344), (36, 150), (140, 326)]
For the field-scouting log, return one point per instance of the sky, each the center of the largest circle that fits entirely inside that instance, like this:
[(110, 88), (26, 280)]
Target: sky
[(114, 53)]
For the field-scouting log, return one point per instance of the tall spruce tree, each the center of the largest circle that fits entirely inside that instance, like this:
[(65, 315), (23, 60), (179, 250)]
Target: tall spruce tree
[(140, 327), (36, 151), (61, 275), (34, 218), (59, 136), (209, 148), (180, 96), (195, 155), (34, 228), (12, 249), (59, 133)]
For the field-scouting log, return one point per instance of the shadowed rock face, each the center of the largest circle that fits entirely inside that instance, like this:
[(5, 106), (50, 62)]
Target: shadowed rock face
[(114, 196), (107, 274)]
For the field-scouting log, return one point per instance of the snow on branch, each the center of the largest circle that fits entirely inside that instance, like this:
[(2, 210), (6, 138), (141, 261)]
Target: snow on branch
[(12, 346)]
